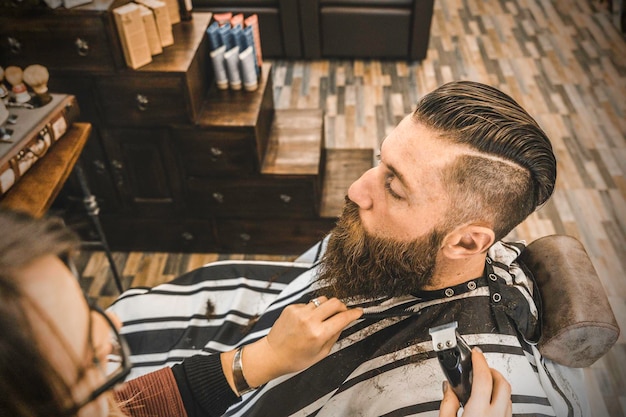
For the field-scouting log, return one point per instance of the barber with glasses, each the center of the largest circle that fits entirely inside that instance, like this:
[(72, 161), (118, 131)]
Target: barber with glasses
[(62, 356)]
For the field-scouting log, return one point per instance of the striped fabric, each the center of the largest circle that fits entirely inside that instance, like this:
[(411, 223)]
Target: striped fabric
[(382, 365)]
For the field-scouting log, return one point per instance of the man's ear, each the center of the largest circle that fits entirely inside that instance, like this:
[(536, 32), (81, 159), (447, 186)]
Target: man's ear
[(468, 240)]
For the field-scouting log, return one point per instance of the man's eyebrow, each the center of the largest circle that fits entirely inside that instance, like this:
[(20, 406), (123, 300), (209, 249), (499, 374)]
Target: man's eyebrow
[(393, 169), (399, 176)]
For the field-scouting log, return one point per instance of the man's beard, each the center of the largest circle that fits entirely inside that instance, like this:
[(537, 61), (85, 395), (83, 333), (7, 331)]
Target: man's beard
[(359, 265)]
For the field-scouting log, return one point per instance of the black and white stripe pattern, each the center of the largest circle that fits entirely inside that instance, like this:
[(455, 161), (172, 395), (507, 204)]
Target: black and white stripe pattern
[(382, 365)]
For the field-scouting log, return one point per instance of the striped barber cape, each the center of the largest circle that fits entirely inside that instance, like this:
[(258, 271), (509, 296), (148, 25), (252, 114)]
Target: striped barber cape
[(382, 365)]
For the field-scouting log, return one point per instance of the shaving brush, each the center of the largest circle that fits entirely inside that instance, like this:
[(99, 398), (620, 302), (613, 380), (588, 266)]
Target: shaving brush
[(37, 76), (14, 76), (3, 90)]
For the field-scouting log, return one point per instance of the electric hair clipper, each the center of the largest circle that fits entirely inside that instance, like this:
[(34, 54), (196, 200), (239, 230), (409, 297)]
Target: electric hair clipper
[(455, 358)]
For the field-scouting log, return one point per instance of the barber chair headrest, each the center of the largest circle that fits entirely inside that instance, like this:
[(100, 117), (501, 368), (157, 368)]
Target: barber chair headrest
[(578, 323)]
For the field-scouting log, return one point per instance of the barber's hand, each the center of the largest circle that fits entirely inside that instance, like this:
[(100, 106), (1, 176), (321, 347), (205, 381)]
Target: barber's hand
[(302, 335), (490, 396)]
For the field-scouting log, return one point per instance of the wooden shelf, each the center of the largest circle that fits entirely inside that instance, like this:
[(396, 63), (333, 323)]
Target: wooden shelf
[(296, 142), (40, 185), (227, 108)]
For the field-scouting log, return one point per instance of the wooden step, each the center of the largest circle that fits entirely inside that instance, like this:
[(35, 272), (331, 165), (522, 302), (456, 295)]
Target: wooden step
[(295, 148), (295, 143), (343, 167)]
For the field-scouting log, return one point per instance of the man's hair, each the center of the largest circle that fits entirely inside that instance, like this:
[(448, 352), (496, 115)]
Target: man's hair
[(510, 168), (29, 383)]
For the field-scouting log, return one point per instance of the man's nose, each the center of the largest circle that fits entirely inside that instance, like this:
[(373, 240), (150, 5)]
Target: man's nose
[(360, 191)]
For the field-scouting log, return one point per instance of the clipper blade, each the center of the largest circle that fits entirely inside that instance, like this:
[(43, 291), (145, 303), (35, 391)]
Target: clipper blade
[(444, 336)]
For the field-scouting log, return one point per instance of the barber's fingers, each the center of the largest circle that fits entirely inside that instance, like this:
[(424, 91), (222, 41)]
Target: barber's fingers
[(327, 319), (450, 403), (491, 392), (501, 395), (317, 302), (482, 380), (334, 316)]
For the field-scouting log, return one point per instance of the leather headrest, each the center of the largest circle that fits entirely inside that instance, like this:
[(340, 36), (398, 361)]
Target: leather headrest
[(579, 326)]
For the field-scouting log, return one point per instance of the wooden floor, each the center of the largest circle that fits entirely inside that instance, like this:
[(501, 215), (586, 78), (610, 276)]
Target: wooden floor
[(563, 60)]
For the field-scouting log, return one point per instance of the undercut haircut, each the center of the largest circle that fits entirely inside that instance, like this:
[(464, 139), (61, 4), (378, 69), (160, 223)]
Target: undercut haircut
[(509, 169)]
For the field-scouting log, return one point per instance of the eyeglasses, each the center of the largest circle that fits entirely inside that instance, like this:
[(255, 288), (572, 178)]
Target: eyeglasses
[(117, 366)]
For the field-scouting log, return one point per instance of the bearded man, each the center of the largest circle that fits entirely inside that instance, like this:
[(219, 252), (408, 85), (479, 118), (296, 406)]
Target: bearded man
[(418, 246)]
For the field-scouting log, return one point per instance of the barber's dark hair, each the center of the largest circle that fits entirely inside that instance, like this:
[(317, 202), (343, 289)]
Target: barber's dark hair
[(29, 384), (490, 122)]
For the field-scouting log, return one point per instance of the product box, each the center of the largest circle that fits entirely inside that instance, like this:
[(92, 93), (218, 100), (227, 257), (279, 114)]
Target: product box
[(151, 30), (172, 8), (162, 18), (132, 34)]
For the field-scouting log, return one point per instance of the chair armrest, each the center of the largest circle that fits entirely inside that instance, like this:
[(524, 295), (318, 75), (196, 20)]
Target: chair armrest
[(579, 326)]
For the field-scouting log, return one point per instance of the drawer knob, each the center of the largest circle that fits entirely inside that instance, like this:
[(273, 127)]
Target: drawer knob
[(118, 173), (15, 46), (99, 165), (142, 102), (245, 237), (187, 236), (82, 47), (219, 197), (216, 151), (285, 198)]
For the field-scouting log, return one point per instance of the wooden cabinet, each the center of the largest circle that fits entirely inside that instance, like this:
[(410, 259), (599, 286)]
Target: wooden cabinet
[(81, 38), (176, 164)]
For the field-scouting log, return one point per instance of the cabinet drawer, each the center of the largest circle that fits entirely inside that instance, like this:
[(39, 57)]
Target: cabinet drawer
[(144, 99), (162, 235), (280, 236), (144, 170), (82, 42), (169, 90), (254, 198), (216, 152)]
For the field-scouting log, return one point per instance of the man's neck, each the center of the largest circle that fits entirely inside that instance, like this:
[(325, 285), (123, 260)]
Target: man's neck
[(451, 272)]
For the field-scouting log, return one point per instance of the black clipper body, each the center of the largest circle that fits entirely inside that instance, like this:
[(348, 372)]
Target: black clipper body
[(455, 358)]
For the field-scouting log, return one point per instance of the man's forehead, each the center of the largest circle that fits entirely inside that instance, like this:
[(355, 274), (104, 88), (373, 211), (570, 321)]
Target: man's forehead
[(413, 139), (411, 143)]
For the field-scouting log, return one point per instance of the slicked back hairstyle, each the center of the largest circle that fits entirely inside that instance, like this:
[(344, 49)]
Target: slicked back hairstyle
[(490, 123)]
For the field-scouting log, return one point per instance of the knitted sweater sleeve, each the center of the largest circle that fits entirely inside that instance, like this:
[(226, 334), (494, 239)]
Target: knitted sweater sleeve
[(203, 386), (153, 394), (196, 387)]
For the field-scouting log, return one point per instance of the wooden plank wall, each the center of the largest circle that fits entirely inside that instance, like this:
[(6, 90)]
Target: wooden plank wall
[(563, 60)]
